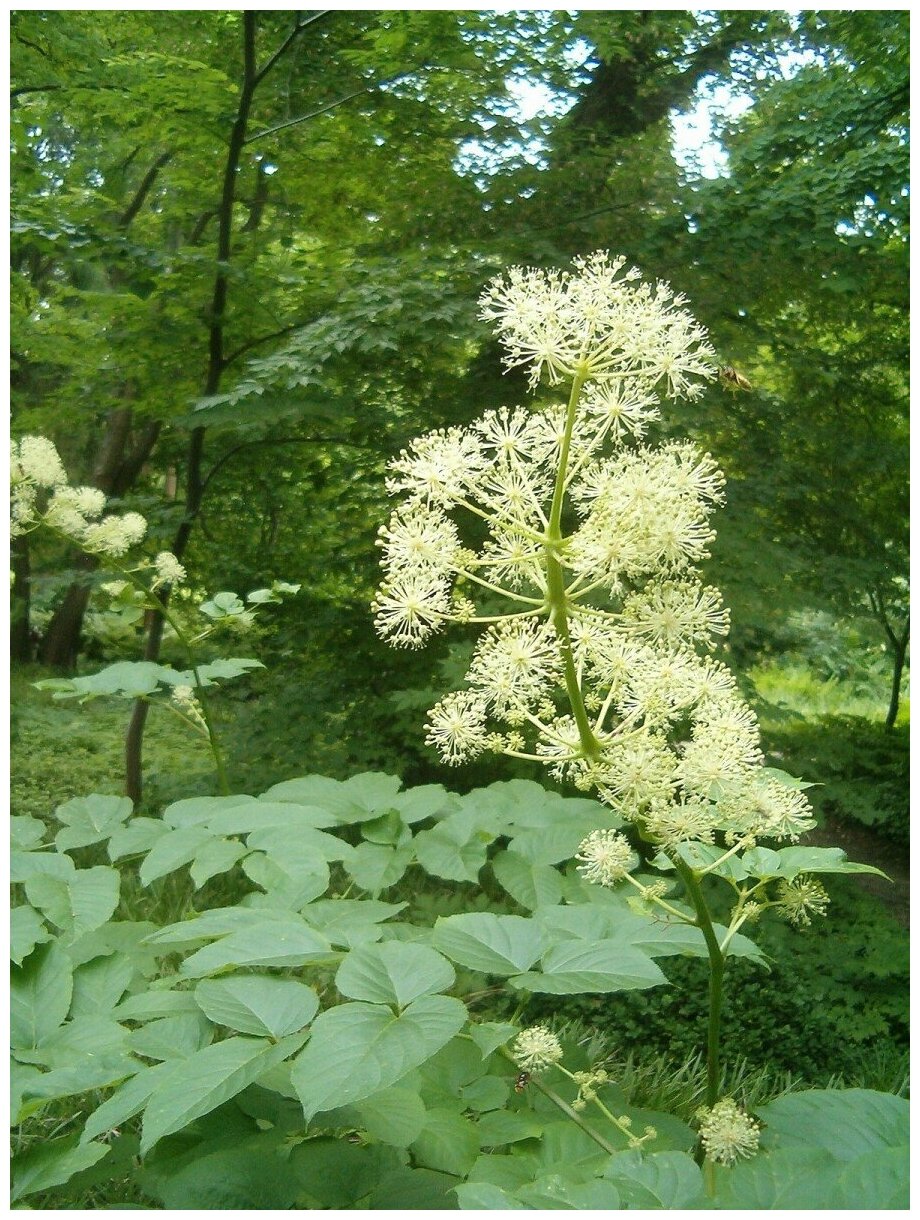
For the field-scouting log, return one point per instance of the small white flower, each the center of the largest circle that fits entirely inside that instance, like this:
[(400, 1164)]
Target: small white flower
[(606, 857), (727, 1133), (536, 1048), (438, 468), (800, 899), (457, 727), (168, 570), (412, 608)]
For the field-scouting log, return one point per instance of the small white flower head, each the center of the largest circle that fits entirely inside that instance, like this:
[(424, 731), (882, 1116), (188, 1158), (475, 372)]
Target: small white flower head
[(438, 468), (621, 410), (457, 727), (515, 665), (682, 821), (419, 539), (798, 900), (412, 608), (536, 1049), (35, 460), (727, 1133), (596, 321), (774, 810), (605, 856), (168, 570)]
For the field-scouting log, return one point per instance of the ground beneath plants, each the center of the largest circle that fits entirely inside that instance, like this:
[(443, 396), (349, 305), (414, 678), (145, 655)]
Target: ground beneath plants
[(861, 844)]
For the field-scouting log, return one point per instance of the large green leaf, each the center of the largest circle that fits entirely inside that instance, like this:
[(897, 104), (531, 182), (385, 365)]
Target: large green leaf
[(671, 1180), (501, 1127), (258, 1004), (40, 995), (494, 944), (357, 1049), (489, 1035), (448, 1142), (197, 1085), (81, 903), (289, 881), (100, 983), (27, 929), (559, 1191), (376, 866), (350, 921), (221, 921), (394, 1116), (268, 943), (90, 819), (217, 856), (306, 842), (26, 833), (172, 851), (532, 885), (393, 973), (136, 836), (129, 1099), (789, 862), (788, 1179), (455, 849), (52, 1164), (846, 1123), (576, 966), (177, 1036), (485, 1196), (203, 810)]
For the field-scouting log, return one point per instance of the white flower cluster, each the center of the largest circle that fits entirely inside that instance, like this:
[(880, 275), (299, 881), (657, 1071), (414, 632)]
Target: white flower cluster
[(605, 857), (40, 494), (585, 575), (727, 1133), (536, 1048)]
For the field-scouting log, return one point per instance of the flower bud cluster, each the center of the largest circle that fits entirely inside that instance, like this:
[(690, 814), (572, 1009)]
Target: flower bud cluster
[(585, 576)]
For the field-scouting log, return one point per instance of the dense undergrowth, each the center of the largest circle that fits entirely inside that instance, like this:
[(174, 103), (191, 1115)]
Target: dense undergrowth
[(833, 1007)]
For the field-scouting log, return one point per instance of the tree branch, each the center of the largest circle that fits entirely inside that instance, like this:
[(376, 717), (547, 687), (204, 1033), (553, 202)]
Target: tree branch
[(142, 191), (283, 440), (291, 38), (251, 343), (270, 131)]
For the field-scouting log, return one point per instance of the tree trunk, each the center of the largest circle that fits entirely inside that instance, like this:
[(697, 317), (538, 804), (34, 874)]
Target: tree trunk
[(61, 644), (20, 626), (134, 740), (900, 654)]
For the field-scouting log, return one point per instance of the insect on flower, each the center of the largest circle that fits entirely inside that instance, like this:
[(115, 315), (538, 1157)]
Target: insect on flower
[(733, 380), (522, 1082)]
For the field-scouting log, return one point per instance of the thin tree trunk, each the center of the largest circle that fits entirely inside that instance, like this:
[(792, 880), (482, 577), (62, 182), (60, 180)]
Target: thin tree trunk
[(900, 654), (134, 739)]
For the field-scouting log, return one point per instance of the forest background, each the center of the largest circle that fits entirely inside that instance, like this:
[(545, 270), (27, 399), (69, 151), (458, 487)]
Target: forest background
[(246, 253)]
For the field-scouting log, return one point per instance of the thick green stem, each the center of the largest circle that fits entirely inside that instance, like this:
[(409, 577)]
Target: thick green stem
[(716, 977), (555, 580)]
